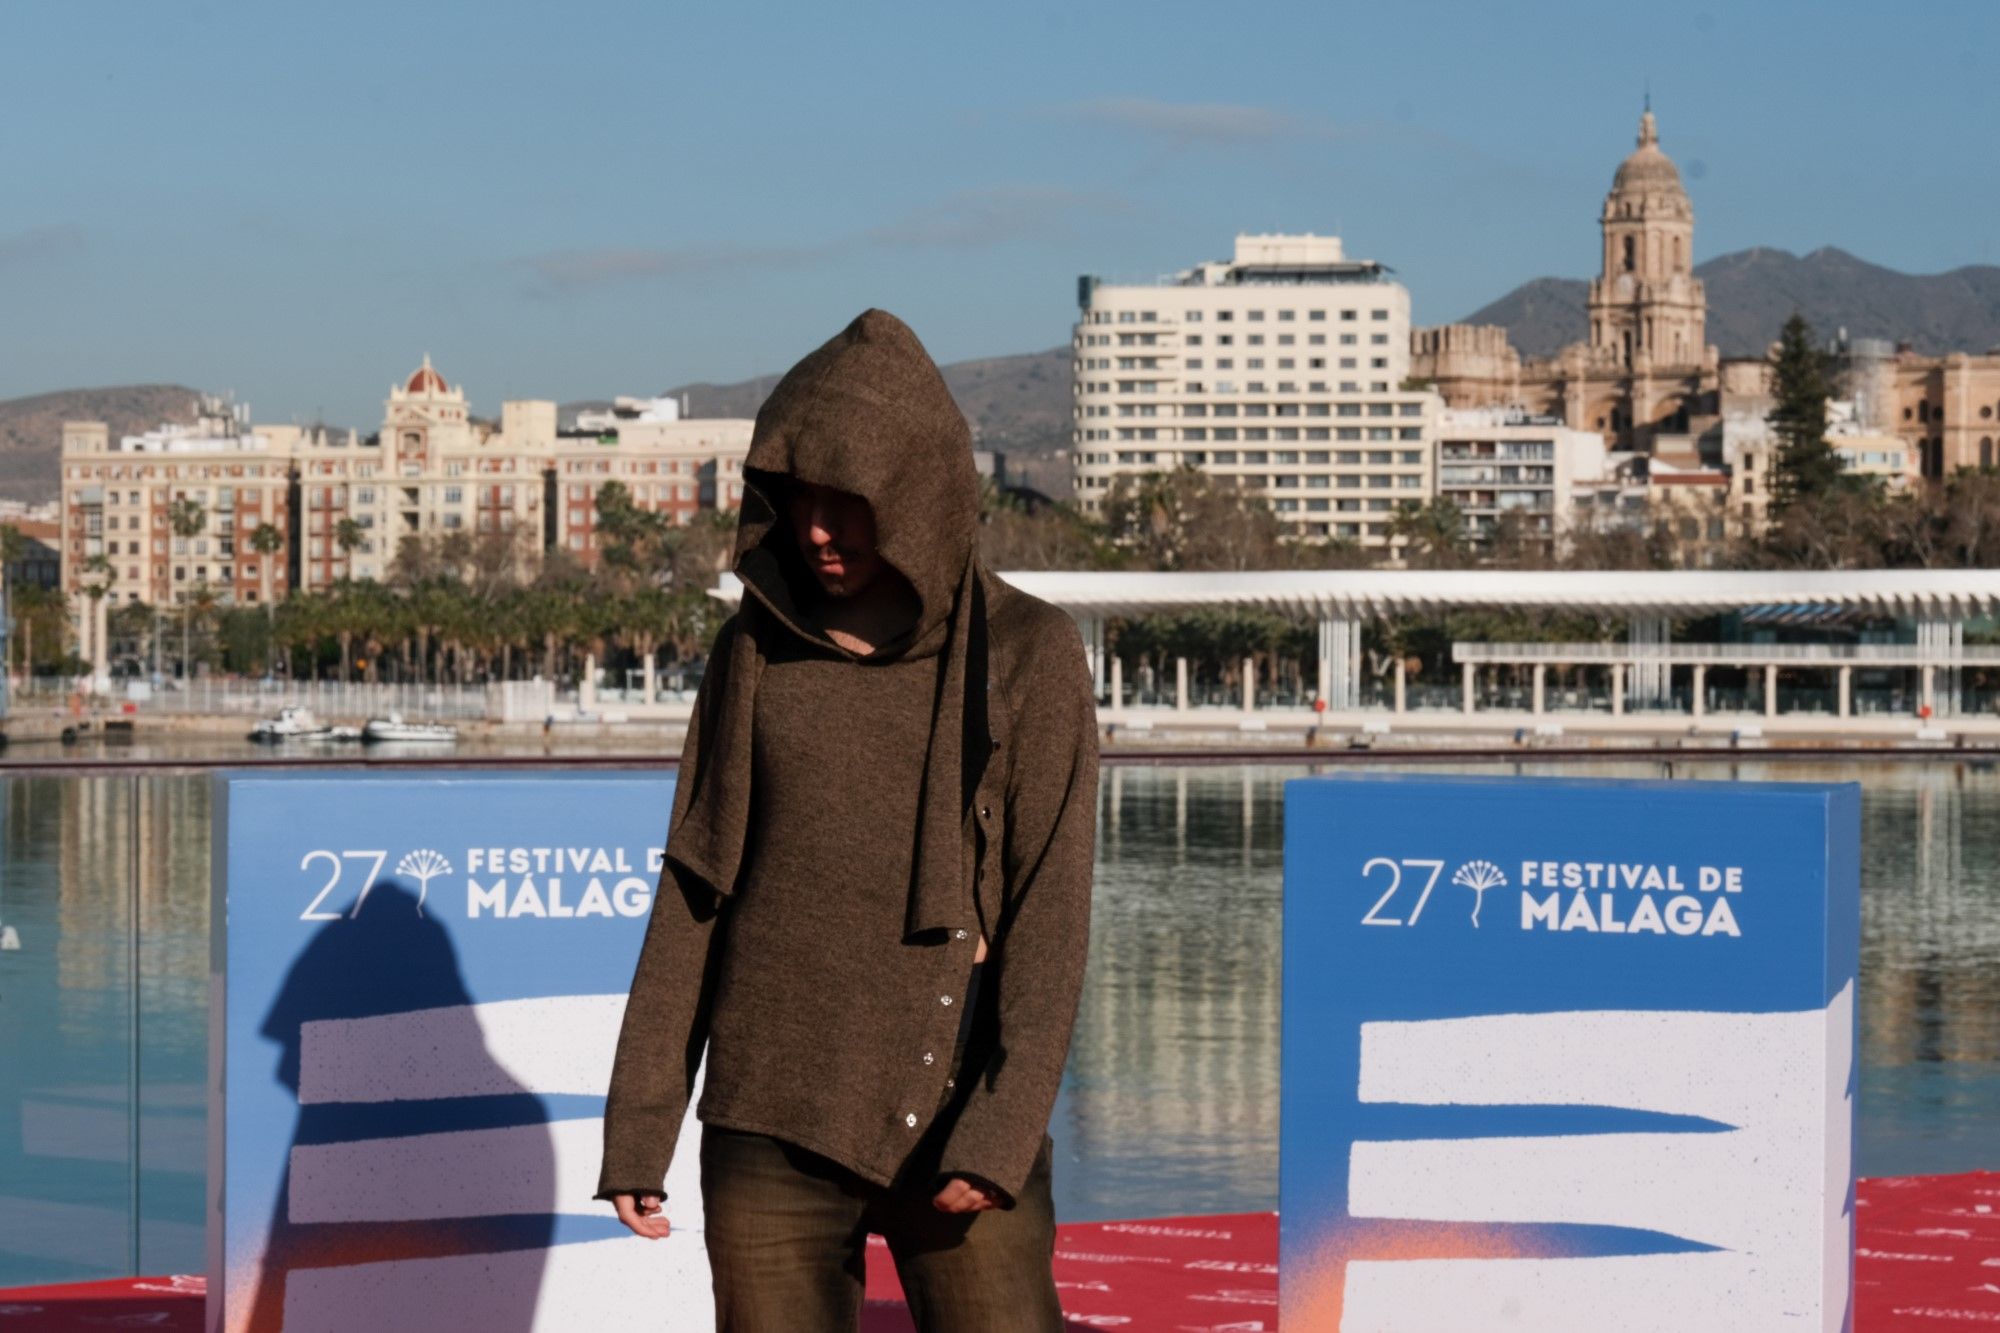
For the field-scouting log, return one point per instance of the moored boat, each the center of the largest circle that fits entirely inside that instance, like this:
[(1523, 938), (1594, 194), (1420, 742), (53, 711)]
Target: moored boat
[(394, 728), (291, 723)]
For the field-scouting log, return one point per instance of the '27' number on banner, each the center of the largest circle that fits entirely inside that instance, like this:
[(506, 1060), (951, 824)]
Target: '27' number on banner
[(1396, 869), (336, 863)]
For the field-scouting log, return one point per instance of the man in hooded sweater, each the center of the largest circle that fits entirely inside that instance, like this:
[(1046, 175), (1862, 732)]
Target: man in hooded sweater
[(875, 907)]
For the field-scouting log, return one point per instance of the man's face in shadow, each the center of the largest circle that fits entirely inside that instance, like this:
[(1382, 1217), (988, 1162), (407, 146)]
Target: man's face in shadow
[(835, 531)]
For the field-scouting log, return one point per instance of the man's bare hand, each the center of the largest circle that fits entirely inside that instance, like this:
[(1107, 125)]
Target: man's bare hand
[(960, 1195), (641, 1212)]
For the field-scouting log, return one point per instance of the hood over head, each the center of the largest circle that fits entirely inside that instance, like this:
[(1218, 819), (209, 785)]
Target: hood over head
[(866, 412)]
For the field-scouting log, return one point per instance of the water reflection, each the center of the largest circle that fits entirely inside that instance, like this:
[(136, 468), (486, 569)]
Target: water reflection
[(74, 848), (1170, 1102)]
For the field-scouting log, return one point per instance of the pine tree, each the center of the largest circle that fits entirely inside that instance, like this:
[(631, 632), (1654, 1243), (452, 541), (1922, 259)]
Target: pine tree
[(1806, 465)]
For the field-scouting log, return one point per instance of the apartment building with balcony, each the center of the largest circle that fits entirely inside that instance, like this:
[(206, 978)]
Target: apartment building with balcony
[(1283, 371), (1497, 464)]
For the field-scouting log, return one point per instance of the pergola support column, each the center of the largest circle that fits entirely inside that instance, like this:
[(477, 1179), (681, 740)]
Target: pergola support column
[(1650, 684), (1468, 689), (1617, 689), (1699, 690), (1092, 629), (1402, 687), (1117, 681), (1541, 687), (1771, 689), (1942, 638), (1340, 663), (1847, 691), (1180, 684), (1249, 684)]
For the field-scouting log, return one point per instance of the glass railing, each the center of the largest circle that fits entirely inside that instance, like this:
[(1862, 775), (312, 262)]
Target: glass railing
[(104, 897)]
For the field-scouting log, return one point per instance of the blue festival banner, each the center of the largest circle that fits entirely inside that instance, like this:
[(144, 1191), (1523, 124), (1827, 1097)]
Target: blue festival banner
[(417, 988), (1568, 1055)]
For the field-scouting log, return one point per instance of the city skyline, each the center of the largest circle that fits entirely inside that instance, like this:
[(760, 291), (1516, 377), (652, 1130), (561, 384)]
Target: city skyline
[(296, 209)]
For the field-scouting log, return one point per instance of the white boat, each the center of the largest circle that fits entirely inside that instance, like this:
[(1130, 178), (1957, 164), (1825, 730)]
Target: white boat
[(347, 734), (292, 723), (395, 729)]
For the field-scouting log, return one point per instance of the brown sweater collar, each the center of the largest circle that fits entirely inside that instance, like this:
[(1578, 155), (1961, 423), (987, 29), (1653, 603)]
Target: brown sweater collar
[(711, 817)]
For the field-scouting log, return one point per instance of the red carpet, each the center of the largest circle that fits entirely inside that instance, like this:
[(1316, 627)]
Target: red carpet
[(1929, 1259)]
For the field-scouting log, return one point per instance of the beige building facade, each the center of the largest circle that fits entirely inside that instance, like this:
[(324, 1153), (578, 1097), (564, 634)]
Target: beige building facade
[(1283, 370), (338, 506), (1948, 408)]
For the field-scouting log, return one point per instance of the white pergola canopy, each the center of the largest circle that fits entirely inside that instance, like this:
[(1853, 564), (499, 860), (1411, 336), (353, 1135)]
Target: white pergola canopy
[(1363, 594)]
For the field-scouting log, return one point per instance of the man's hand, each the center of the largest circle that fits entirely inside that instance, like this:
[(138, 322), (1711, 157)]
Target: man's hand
[(641, 1212), (960, 1195)]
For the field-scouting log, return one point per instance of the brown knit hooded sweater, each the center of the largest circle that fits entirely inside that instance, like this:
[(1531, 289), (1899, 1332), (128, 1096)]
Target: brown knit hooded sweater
[(845, 827)]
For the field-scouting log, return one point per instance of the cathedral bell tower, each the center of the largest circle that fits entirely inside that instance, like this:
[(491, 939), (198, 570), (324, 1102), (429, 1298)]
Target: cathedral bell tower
[(1648, 312)]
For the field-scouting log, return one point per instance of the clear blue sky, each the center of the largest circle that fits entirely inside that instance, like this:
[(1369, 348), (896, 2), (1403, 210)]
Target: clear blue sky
[(297, 202)]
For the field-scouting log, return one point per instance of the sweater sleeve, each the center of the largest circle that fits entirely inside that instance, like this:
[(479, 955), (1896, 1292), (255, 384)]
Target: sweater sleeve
[(1038, 960), (665, 1028)]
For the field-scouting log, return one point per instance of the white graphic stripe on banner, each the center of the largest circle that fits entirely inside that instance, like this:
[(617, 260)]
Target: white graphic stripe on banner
[(661, 1286), (1653, 1182), (1670, 1293), (537, 1168), (1726, 1067), (558, 1044)]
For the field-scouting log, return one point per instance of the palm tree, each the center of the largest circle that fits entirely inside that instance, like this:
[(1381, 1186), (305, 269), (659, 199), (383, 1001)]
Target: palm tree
[(201, 604), (348, 535), (266, 541), (187, 518), (28, 604), (12, 546)]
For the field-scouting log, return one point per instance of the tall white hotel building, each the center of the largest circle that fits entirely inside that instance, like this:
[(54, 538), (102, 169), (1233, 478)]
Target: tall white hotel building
[(1282, 370)]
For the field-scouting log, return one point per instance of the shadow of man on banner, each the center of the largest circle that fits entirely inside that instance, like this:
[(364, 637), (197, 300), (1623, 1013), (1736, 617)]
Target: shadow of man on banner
[(361, 1185)]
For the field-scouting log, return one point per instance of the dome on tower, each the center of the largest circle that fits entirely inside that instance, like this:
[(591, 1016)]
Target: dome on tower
[(425, 380), (1647, 170)]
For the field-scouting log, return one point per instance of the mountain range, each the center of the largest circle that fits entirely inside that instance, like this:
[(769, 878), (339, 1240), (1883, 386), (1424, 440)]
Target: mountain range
[(1020, 405), (1752, 292)]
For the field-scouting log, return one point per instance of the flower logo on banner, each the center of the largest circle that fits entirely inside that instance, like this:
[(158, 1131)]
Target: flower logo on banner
[(1479, 876), (423, 866)]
